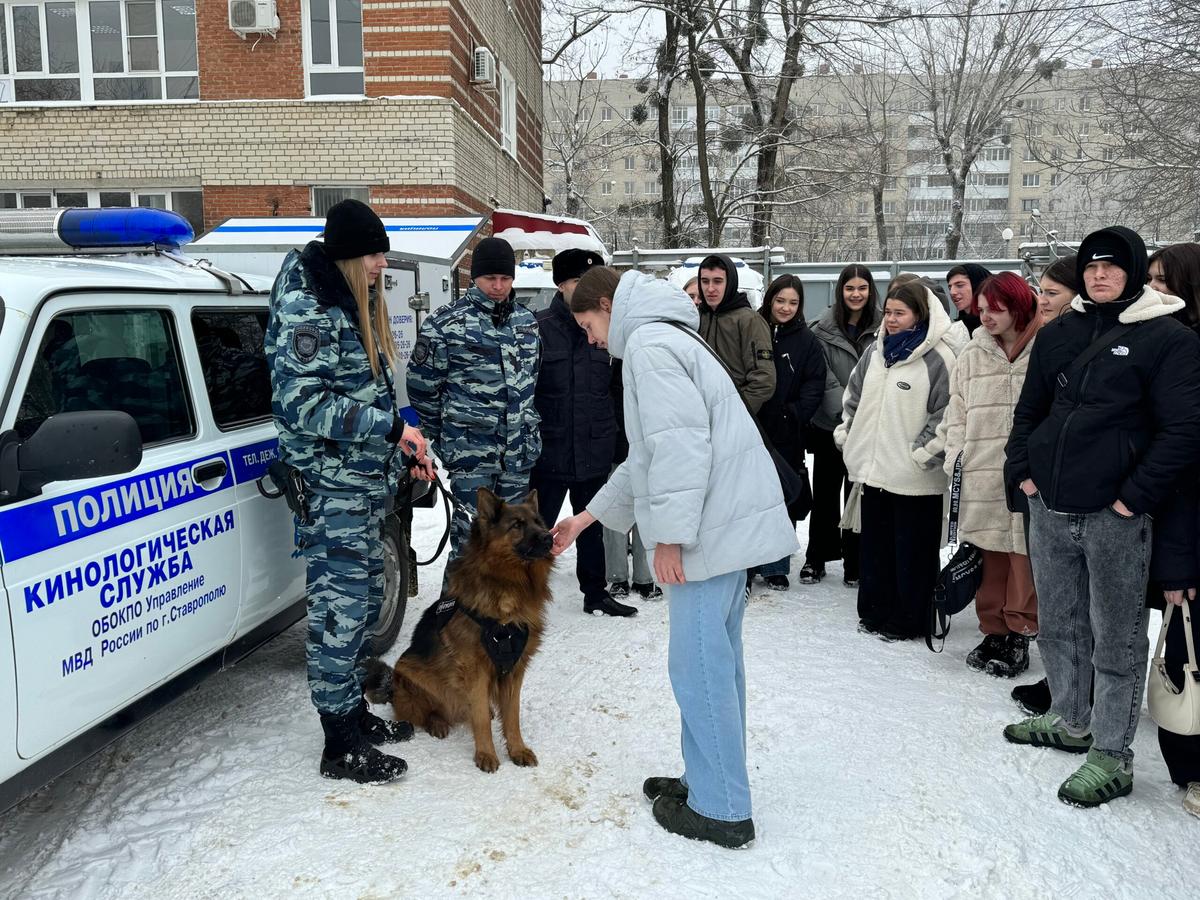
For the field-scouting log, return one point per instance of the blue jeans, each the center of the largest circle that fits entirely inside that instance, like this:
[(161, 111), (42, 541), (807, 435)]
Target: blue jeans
[(1091, 571), (709, 681)]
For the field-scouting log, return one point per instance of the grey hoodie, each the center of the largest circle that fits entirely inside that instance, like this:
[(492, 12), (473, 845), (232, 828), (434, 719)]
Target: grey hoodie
[(698, 474)]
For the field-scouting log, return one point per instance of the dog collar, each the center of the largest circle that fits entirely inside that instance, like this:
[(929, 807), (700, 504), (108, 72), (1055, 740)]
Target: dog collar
[(504, 644)]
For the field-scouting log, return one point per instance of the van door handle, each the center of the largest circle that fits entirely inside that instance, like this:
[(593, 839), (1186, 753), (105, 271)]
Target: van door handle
[(213, 470)]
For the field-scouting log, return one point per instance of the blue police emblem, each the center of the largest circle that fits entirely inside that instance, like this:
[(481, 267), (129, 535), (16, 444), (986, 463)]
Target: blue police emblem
[(306, 340)]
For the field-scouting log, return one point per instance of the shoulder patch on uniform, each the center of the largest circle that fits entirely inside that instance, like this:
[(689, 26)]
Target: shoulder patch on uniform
[(420, 351), (765, 354), (306, 341)]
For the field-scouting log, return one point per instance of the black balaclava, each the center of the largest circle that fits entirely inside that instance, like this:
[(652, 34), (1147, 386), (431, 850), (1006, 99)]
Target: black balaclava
[(1120, 246)]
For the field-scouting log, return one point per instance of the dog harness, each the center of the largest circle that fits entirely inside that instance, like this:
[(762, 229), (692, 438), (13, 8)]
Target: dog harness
[(504, 644)]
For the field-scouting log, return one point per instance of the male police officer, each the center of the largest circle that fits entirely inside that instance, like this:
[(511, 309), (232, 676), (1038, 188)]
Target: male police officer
[(471, 380)]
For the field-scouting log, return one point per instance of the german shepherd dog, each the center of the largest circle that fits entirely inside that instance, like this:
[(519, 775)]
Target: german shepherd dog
[(446, 676)]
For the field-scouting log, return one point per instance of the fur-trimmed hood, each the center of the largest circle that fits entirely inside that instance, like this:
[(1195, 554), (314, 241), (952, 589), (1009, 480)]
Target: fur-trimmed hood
[(324, 280), (1150, 305)]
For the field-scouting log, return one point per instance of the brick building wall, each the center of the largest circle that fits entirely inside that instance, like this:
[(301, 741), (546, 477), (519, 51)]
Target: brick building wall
[(424, 139)]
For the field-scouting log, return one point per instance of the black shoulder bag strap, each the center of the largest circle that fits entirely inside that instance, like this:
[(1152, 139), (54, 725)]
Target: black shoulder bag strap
[(1067, 375), (955, 499), (728, 371)]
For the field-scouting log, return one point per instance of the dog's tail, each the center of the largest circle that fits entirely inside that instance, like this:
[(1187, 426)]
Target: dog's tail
[(377, 685)]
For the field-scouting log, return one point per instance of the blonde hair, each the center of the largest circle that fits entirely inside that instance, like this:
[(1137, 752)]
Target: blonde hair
[(372, 325)]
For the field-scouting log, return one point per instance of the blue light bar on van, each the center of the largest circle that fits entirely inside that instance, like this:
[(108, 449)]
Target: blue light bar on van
[(91, 229)]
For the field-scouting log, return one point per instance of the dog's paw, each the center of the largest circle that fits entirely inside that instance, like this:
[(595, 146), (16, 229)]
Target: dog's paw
[(486, 761), (437, 726), (523, 757)]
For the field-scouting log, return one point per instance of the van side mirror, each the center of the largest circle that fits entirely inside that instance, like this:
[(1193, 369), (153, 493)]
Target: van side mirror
[(68, 446)]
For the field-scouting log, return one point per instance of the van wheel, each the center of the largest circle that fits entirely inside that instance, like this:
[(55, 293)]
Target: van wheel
[(395, 588)]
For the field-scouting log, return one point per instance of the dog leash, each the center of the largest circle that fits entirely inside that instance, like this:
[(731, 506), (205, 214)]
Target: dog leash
[(449, 504)]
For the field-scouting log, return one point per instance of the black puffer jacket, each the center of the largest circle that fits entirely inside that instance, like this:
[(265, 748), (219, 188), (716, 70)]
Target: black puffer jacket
[(1126, 426), (579, 427), (800, 372)]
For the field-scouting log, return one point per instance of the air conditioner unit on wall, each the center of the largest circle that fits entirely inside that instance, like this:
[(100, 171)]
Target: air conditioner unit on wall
[(483, 71), (253, 16)]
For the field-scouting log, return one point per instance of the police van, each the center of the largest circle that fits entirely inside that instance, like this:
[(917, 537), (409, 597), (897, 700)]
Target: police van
[(138, 550)]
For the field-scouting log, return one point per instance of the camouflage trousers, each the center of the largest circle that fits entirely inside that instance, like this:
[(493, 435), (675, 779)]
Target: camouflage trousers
[(511, 487), (342, 547)]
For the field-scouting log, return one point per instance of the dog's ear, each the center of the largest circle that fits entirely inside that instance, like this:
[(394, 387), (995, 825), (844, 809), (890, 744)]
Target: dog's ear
[(487, 504), (532, 501)]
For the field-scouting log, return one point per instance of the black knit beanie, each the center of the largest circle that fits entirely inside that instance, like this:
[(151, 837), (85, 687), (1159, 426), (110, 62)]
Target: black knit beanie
[(352, 229), (1123, 248), (493, 256), (573, 263), (977, 275)]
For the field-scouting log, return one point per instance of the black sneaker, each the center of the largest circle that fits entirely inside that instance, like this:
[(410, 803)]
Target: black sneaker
[(605, 605), (990, 648), (777, 582), (674, 788), (678, 818), (380, 731), (619, 589), (811, 574), (1033, 698), (850, 583), (649, 591), (1013, 658)]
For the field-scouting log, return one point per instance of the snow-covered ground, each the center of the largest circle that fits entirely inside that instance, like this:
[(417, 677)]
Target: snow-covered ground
[(878, 770)]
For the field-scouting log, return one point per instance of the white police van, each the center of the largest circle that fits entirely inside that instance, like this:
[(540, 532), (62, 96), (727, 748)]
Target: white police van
[(137, 552)]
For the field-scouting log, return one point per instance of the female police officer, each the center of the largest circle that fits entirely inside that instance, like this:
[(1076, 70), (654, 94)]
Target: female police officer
[(330, 350)]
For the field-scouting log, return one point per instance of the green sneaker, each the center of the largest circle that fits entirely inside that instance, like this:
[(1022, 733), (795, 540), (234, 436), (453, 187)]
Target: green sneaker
[(1100, 779), (1047, 731)]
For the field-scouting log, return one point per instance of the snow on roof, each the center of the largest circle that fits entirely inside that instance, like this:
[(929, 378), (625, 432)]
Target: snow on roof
[(527, 231)]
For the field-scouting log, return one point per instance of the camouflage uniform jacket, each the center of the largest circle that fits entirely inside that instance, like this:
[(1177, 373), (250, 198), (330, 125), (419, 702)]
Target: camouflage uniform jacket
[(337, 422), (471, 379)]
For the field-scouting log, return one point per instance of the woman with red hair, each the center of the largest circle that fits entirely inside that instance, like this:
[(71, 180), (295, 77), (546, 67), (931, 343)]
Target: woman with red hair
[(983, 394)]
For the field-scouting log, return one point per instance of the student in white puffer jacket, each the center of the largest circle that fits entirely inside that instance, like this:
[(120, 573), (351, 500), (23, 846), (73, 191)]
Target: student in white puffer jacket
[(706, 499), (888, 437)]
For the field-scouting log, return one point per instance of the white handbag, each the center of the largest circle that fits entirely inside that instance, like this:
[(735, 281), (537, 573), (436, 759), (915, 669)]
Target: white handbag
[(1175, 710)]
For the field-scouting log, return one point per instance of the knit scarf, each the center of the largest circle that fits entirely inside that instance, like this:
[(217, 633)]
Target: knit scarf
[(899, 347)]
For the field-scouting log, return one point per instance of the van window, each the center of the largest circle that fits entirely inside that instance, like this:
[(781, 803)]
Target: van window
[(230, 343), (122, 359)]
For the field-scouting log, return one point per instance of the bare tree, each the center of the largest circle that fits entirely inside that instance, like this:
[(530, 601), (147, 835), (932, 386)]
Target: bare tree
[(966, 68)]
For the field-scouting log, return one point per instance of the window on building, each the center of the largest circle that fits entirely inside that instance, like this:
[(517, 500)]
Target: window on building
[(1029, 205), (606, 139), (891, 183), (1028, 155), (939, 181), (1060, 104), (508, 112), (606, 114), (1085, 103), (889, 208), (98, 50), (629, 189), (1056, 179), (915, 181), (1085, 129), (650, 187), (629, 163), (189, 203), (1034, 180), (606, 187), (325, 198), (333, 45)]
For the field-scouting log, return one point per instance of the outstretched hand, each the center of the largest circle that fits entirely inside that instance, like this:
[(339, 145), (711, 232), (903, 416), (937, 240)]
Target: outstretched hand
[(567, 530)]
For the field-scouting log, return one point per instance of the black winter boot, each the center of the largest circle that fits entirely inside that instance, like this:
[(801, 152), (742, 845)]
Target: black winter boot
[(380, 731), (1013, 658), (649, 590), (678, 818), (619, 589), (348, 755), (989, 649), (1033, 698), (662, 786)]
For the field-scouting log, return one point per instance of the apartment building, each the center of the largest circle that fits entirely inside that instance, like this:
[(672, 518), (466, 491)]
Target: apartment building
[(602, 162), (220, 108)]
